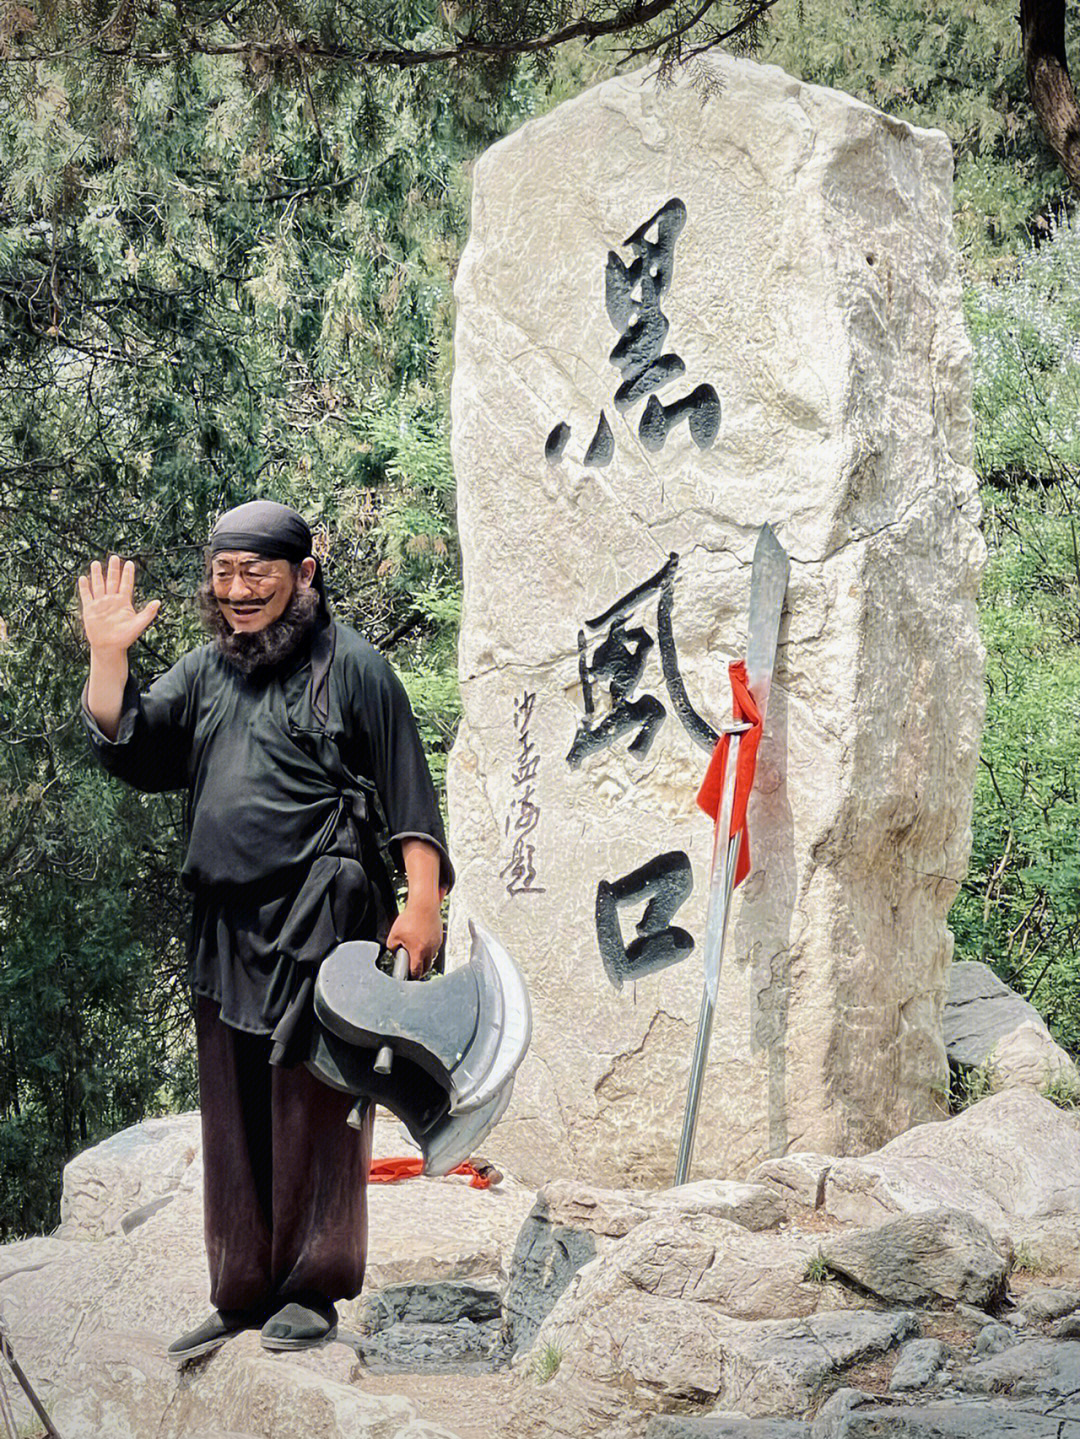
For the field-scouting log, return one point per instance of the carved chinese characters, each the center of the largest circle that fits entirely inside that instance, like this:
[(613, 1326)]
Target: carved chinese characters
[(637, 259), (520, 871), (632, 295)]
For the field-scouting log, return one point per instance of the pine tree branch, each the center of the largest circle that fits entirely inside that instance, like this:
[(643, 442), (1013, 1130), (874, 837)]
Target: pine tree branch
[(314, 50)]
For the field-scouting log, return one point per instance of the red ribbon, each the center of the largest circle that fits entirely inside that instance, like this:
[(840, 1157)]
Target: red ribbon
[(389, 1171), (745, 711)]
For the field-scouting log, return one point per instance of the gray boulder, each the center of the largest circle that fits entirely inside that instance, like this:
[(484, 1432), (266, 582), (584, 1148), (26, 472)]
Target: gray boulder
[(994, 1338), (920, 1362), (987, 1023), (1046, 1367), (951, 1419), (1041, 1304), (724, 1426), (940, 1256)]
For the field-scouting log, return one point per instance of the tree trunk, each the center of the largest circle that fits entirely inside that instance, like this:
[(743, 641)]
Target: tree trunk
[(1042, 31)]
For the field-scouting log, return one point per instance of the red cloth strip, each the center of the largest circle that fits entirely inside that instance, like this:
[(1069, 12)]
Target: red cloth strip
[(745, 711), (389, 1171)]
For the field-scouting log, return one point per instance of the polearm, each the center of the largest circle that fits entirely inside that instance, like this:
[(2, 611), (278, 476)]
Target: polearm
[(768, 584)]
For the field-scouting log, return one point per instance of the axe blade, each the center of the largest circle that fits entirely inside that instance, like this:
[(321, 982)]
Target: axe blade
[(457, 1041)]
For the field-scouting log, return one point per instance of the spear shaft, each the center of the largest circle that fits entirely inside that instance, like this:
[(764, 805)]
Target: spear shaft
[(768, 584)]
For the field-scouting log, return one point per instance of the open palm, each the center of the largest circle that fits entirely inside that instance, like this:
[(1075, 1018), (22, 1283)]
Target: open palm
[(109, 616)]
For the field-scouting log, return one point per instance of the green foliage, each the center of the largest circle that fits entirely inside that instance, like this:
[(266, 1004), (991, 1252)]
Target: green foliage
[(547, 1363), (1020, 906), (1026, 1261), (954, 65), (968, 1084), (308, 45), (1063, 1091), (817, 1269), (208, 291)]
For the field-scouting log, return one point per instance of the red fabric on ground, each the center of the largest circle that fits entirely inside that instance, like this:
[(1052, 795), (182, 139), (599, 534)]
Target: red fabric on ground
[(745, 711), (389, 1171)]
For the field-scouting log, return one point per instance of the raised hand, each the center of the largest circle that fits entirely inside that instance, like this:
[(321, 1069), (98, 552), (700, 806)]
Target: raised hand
[(109, 617)]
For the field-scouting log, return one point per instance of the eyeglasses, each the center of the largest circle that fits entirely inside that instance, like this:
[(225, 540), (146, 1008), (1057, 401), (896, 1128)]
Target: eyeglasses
[(254, 573)]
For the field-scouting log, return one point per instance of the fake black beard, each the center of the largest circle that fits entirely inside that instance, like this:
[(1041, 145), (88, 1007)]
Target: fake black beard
[(264, 649)]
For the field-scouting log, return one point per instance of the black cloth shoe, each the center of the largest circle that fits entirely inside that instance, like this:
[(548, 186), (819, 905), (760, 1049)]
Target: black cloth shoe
[(223, 1324), (306, 1322)]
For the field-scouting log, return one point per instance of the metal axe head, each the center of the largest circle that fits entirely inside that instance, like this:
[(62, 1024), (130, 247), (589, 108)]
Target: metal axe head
[(457, 1040)]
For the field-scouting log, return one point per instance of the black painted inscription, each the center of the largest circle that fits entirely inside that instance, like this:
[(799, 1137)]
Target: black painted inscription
[(556, 441), (602, 446), (663, 883), (632, 295), (524, 813), (619, 657)]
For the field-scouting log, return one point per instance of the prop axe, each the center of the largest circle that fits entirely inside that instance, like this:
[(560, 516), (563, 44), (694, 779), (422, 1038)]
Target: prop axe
[(725, 792)]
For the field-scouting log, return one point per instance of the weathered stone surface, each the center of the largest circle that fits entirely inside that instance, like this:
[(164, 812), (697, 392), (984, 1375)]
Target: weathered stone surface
[(458, 1348), (545, 1260), (830, 1422), (919, 1363), (443, 1302), (951, 1419), (987, 1023), (611, 1213), (783, 1367), (444, 1327), (751, 1206), (797, 1176), (71, 1306), (649, 1326), (571, 1224), (1037, 1306), (122, 1386), (994, 1338), (942, 1255), (724, 1426), (1012, 1161), (815, 288), (709, 1260), (1036, 1366), (120, 1182)]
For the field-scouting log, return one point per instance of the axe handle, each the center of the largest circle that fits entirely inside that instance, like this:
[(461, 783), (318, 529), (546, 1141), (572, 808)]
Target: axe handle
[(385, 1057)]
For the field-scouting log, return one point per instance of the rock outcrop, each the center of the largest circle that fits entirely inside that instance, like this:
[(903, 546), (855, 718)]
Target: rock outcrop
[(684, 1322), (717, 1309), (91, 1310), (989, 1026), (708, 315), (1012, 1161)]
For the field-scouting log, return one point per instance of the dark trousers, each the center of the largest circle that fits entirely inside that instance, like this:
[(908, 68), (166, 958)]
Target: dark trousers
[(285, 1178)]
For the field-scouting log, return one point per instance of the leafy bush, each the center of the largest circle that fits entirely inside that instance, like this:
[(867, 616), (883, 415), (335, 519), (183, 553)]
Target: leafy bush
[(1020, 905)]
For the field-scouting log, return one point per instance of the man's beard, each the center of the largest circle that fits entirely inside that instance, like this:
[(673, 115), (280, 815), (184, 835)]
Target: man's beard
[(261, 649)]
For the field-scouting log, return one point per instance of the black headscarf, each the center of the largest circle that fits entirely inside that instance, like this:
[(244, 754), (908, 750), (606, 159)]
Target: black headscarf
[(263, 527)]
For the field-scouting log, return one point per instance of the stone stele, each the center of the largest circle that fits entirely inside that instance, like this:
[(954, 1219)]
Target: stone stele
[(780, 257)]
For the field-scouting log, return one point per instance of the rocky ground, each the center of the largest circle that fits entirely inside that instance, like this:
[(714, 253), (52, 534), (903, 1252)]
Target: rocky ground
[(928, 1291)]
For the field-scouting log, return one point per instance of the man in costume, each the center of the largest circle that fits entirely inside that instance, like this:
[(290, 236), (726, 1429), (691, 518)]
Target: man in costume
[(290, 734)]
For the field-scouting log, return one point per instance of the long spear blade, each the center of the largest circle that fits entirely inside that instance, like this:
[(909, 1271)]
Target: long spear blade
[(768, 584)]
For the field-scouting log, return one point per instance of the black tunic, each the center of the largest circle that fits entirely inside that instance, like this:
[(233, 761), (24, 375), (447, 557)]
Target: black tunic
[(283, 816)]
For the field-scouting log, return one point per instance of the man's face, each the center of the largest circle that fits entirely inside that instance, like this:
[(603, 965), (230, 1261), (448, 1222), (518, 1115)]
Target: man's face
[(253, 591)]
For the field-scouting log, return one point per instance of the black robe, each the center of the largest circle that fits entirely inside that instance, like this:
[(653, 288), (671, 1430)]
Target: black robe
[(285, 813)]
